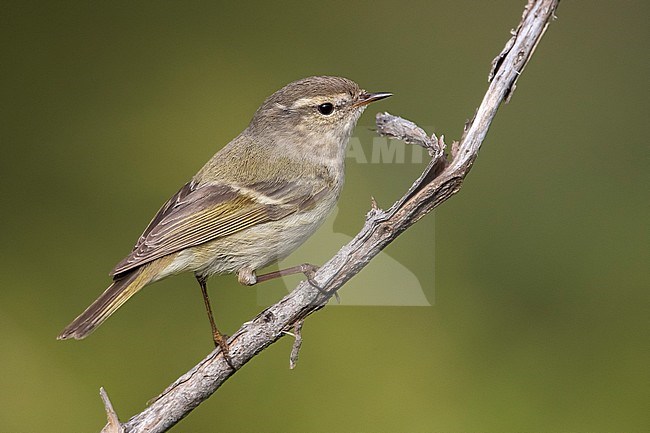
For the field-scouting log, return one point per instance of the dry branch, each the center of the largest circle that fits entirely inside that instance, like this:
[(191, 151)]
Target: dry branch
[(113, 425), (440, 180)]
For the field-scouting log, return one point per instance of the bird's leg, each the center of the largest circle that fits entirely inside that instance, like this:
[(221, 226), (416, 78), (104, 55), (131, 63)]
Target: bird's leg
[(247, 276), (307, 269), (218, 338)]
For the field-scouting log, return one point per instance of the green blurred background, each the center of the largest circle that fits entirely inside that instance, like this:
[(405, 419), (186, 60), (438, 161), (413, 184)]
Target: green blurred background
[(539, 316)]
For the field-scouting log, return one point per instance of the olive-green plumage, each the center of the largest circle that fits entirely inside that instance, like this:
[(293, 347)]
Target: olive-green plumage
[(254, 202)]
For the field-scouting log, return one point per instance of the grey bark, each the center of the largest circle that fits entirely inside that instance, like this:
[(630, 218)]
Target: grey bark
[(441, 179)]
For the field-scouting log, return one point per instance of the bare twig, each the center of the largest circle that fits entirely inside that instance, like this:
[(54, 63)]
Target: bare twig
[(408, 132), (113, 425), (297, 343), (439, 181)]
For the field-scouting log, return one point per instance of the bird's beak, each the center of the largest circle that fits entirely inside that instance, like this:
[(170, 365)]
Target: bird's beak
[(366, 98)]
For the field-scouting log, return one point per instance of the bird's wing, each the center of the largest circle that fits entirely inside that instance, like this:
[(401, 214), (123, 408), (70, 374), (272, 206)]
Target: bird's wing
[(201, 213)]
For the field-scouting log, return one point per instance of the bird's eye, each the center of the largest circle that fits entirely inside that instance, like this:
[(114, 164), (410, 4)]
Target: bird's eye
[(326, 108)]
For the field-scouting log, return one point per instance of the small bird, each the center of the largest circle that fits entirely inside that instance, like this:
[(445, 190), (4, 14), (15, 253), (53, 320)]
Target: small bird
[(252, 204)]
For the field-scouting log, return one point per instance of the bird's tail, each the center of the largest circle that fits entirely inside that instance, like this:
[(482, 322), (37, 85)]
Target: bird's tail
[(117, 294)]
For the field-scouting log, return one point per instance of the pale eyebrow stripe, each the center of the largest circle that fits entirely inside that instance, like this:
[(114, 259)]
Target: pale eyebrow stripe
[(304, 102)]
